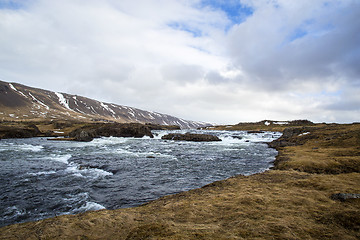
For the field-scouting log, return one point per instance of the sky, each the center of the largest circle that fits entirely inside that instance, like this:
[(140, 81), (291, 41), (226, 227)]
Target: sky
[(222, 62)]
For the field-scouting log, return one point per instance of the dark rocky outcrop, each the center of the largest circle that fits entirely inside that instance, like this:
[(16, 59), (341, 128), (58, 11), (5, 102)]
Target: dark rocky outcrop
[(20, 131), (254, 131), (89, 132), (191, 137), (293, 136), (345, 196), (237, 137), (84, 135)]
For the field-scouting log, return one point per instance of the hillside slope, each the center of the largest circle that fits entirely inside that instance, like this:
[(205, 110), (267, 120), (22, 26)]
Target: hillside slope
[(19, 102)]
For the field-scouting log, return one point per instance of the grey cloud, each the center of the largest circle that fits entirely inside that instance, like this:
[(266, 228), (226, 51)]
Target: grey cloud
[(331, 48), (345, 106), (182, 72), (215, 77), (348, 100)]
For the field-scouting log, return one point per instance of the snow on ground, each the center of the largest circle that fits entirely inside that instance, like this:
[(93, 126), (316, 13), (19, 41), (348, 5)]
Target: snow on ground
[(13, 88), (41, 103), (106, 107), (281, 123), (305, 133), (62, 100)]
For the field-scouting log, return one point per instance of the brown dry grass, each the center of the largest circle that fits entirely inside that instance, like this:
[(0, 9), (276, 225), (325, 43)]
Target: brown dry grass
[(59, 126), (331, 149), (259, 127), (47, 128), (274, 128), (277, 204)]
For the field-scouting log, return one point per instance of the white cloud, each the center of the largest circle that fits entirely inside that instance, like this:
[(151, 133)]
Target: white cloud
[(287, 60)]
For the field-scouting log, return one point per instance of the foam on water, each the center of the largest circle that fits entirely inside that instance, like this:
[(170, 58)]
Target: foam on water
[(28, 147), (123, 151), (100, 142), (41, 173), (14, 212), (89, 206), (139, 153), (59, 158), (229, 140), (157, 154), (96, 172), (108, 141), (266, 136), (74, 170), (146, 137), (81, 203), (79, 171), (79, 197)]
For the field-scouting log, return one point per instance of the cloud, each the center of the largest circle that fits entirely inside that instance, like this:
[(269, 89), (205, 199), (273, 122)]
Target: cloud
[(182, 73), (99, 39), (218, 61), (300, 41)]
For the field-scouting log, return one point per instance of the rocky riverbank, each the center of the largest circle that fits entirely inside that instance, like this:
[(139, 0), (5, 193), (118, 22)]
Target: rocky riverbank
[(296, 200), (88, 132), (77, 131), (12, 130)]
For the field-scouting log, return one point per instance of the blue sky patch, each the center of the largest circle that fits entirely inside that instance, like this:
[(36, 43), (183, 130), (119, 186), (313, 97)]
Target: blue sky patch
[(13, 4), (297, 33), (185, 27), (235, 11), (301, 31)]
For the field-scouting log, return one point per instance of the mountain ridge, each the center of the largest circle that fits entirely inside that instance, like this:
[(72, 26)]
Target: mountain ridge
[(21, 102)]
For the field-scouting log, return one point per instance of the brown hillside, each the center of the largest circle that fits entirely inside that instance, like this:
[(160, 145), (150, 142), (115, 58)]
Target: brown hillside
[(22, 103)]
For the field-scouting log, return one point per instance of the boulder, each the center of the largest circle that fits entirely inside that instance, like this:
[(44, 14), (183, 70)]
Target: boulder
[(344, 196), (91, 131), (85, 136), (191, 137), (293, 136), (237, 137)]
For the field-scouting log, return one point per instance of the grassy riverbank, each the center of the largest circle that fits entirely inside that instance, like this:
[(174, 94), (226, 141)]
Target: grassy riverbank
[(291, 202)]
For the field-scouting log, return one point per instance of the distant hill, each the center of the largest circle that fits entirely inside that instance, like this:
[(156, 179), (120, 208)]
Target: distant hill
[(19, 102)]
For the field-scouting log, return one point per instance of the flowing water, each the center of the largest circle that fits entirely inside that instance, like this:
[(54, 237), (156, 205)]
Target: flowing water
[(41, 178)]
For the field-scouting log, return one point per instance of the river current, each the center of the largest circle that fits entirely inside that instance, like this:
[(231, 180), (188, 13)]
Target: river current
[(41, 178)]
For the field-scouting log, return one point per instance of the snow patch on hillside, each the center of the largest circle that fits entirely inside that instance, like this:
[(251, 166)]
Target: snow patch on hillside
[(13, 88), (106, 107), (62, 100), (131, 112), (41, 103), (151, 116), (281, 123)]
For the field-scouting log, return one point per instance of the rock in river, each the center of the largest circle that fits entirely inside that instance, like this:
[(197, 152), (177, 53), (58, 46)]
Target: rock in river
[(191, 137), (89, 132)]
